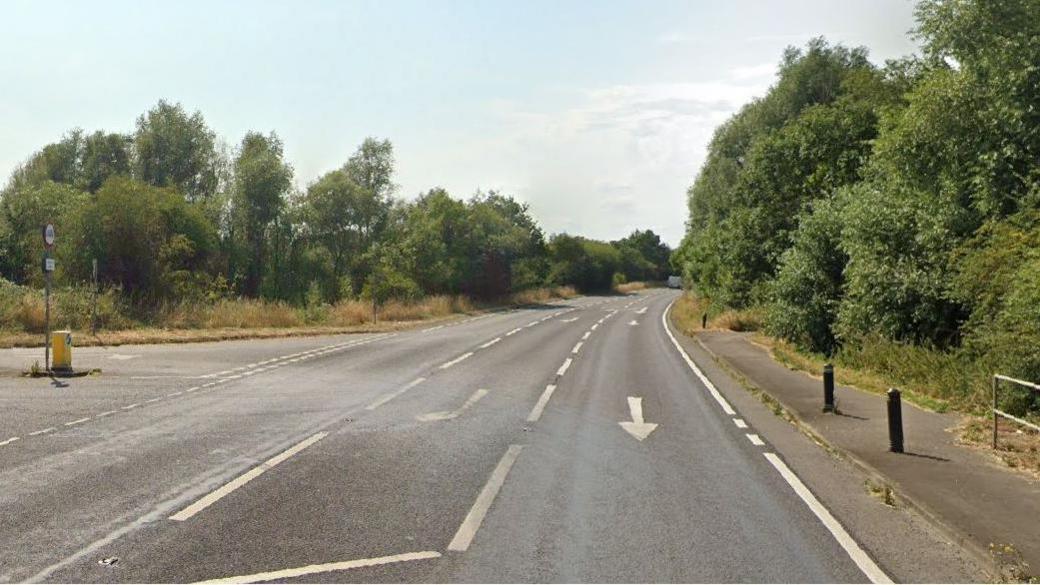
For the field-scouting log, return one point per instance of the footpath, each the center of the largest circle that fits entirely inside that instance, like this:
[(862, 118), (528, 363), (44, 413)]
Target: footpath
[(974, 499)]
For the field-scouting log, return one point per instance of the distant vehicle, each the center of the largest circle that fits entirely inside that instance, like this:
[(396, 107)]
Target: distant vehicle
[(674, 282)]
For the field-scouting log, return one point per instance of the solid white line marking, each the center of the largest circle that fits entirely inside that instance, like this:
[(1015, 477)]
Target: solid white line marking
[(447, 365), (76, 422), (857, 554), (543, 400), (445, 415), (245, 478), (8, 441), (323, 568), (755, 440), (131, 406), (106, 413), (490, 343), (475, 517), (740, 423), (563, 368), (577, 347), (395, 394), (689, 362), (43, 431)]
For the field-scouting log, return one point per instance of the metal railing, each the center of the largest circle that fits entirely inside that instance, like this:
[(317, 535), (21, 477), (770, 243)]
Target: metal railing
[(997, 413)]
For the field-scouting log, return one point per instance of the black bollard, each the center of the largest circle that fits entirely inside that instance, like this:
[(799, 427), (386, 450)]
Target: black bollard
[(895, 421), (704, 321), (828, 388)]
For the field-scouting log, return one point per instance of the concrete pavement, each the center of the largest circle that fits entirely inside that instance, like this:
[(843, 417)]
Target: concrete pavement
[(488, 450)]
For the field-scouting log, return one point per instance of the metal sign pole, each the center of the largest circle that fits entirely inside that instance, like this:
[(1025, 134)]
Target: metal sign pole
[(93, 315), (47, 313)]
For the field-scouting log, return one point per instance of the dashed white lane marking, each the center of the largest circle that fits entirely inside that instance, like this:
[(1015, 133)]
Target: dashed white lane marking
[(490, 343), (9, 441), (464, 356), (531, 324), (73, 423), (563, 368), (697, 371), (642, 311), (586, 336), (395, 394), (42, 431), (594, 326), (577, 347), (543, 400), (104, 414), (174, 394), (153, 400), (324, 568), (192, 389), (857, 554), (445, 415), (245, 478), (571, 320), (475, 517), (513, 332), (740, 423), (755, 440)]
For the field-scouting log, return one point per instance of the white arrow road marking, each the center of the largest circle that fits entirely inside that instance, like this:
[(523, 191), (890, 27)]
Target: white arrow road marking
[(638, 428), (323, 568), (641, 311), (445, 415), (123, 356)]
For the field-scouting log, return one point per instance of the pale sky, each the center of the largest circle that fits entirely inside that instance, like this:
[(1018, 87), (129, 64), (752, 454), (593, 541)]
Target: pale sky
[(596, 113)]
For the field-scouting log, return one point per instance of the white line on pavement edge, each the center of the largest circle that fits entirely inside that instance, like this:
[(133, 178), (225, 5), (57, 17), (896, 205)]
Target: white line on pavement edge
[(858, 556), (245, 478), (325, 568), (851, 547)]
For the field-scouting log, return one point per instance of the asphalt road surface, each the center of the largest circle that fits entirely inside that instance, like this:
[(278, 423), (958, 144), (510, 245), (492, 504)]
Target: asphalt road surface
[(567, 442)]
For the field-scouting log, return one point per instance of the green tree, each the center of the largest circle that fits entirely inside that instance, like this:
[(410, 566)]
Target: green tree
[(262, 181), (174, 149)]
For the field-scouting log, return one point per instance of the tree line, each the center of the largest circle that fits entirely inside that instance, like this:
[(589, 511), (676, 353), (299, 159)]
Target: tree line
[(898, 200), (171, 213)]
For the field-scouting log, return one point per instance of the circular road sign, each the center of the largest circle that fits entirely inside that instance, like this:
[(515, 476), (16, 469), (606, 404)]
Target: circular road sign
[(48, 235)]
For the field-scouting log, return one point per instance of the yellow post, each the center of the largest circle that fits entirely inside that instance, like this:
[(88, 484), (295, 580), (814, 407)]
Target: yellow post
[(61, 341)]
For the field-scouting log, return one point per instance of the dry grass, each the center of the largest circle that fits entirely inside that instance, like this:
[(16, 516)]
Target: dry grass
[(689, 310), (630, 287), (1017, 447), (537, 296)]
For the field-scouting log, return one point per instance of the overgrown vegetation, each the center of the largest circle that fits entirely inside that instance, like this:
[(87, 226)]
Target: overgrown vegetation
[(189, 233), (888, 217)]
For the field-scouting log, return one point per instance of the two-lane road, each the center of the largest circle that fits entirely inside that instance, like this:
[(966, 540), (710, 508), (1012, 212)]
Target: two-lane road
[(518, 446)]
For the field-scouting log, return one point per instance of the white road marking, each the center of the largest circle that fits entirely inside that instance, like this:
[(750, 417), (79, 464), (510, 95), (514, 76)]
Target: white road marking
[(73, 423), (8, 441), (475, 517), (445, 415), (123, 356), (638, 427), (103, 414), (594, 326), (192, 389), (517, 330), (642, 311), (755, 440), (42, 431), (563, 368), (490, 343), (571, 320), (131, 406), (395, 394), (577, 347), (857, 554), (153, 400), (531, 324), (697, 371), (323, 568), (245, 478), (447, 365), (543, 400), (633, 322), (432, 328), (740, 423), (586, 336), (172, 394)]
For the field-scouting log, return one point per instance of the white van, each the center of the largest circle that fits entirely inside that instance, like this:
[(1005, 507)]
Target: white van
[(674, 282)]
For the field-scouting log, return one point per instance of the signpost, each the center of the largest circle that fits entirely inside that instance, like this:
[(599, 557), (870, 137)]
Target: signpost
[(48, 269)]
